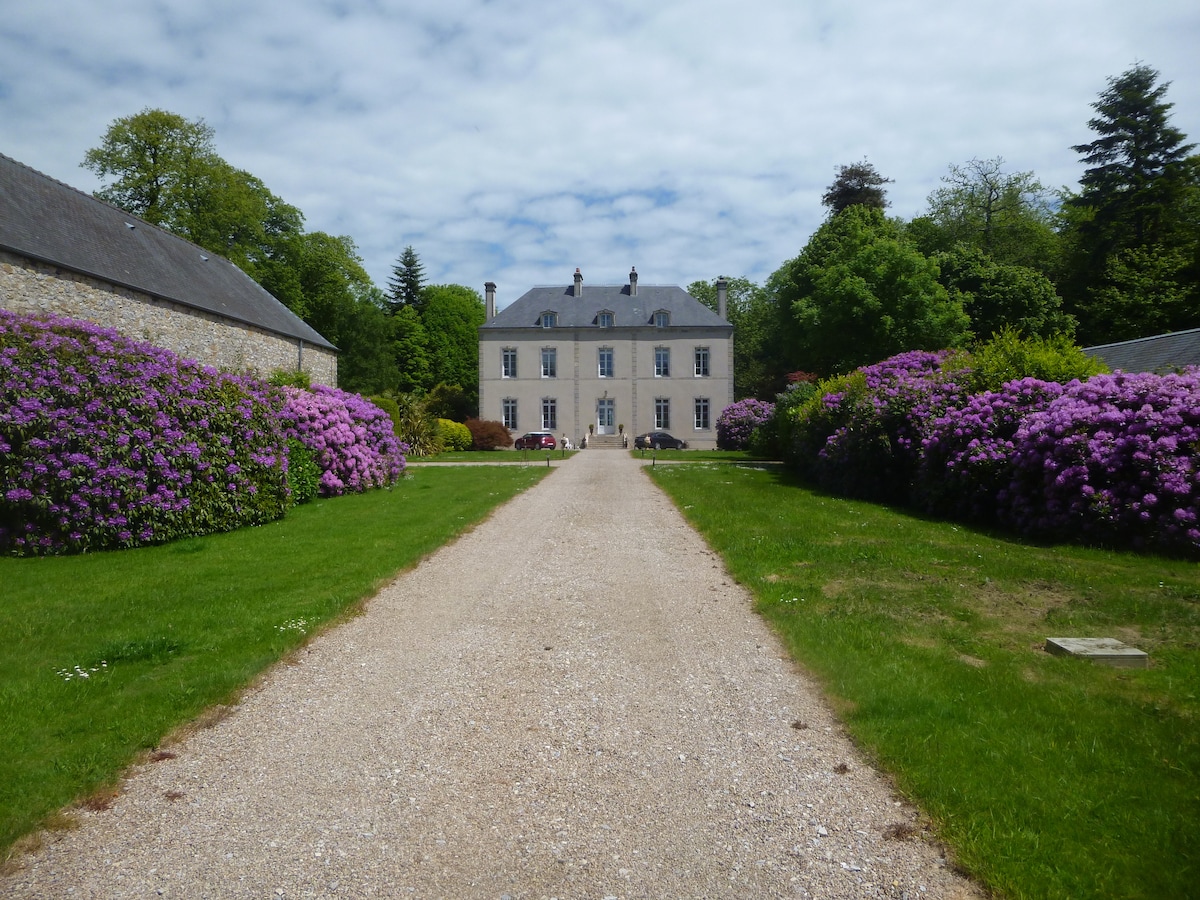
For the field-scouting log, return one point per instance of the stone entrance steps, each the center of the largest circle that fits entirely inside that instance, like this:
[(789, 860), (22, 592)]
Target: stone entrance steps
[(605, 442)]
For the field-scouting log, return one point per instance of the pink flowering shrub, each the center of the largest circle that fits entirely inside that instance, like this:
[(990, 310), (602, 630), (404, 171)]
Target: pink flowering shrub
[(353, 441), (1115, 459), (106, 442), (737, 423)]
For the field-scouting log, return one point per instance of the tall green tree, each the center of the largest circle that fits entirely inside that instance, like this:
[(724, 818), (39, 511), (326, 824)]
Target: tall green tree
[(858, 184), (410, 349), (751, 312), (1132, 225), (158, 162), (407, 283), (451, 318), (1010, 216), (165, 169), (859, 292), (998, 296)]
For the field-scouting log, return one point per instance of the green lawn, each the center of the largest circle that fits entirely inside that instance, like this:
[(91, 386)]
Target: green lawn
[(1049, 777), (162, 633)]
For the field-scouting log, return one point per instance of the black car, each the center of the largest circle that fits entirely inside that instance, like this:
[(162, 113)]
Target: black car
[(658, 440)]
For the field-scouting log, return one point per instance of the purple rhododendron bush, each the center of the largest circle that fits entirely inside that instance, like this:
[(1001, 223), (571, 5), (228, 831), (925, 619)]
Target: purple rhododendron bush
[(109, 443), (967, 453), (1112, 459), (106, 442), (353, 440), (861, 434), (738, 422)]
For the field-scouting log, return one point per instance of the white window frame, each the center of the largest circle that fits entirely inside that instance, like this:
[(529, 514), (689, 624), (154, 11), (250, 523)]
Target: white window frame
[(604, 319), (702, 360), (549, 413), (549, 362), (662, 413), (702, 417), (662, 318), (604, 355), (548, 319), (508, 413), (508, 362), (662, 362)]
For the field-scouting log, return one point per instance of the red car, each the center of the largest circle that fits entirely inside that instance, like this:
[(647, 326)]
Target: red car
[(536, 440)]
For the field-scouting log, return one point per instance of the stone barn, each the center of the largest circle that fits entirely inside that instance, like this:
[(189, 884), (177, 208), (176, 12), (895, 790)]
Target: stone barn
[(66, 253)]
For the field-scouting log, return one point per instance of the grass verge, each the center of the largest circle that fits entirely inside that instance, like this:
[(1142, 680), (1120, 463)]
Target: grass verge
[(1049, 777), (104, 654)]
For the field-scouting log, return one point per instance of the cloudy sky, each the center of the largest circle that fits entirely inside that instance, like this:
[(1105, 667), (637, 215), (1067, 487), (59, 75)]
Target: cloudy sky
[(513, 140)]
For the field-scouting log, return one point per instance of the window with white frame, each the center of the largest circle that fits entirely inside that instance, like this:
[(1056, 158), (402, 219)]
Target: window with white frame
[(701, 362), (702, 414), (604, 320), (549, 362), (548, 319), (604, 365), (662, 319), (549, 413), (508, 362), (509, 414), (662, 412), (662, 362)]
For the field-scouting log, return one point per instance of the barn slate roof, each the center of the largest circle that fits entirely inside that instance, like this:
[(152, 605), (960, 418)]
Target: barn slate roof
[(45, 220), (629, 310), (1159, 353)]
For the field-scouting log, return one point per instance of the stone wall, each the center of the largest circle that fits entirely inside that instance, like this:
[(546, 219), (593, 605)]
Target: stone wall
[(27, 286)]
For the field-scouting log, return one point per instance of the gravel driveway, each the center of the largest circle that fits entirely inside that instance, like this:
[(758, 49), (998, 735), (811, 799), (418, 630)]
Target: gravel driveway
[(572, 701)]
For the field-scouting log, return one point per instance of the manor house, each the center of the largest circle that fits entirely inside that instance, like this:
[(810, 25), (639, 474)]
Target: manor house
[(566, 359)]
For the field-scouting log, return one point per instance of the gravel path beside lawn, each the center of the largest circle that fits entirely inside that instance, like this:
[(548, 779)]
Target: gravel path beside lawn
[(572, 701)]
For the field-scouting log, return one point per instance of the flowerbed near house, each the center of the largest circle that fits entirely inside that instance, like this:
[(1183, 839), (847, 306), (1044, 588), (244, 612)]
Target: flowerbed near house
[(353, 440), (738, 422), (1110, 459), (106, 442)]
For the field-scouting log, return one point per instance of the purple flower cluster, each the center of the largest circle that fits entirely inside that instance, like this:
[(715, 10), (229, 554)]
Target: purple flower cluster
[(738, 422), (353, 441), (864, 437), (1115, 459), (967, 452), (106, 442)]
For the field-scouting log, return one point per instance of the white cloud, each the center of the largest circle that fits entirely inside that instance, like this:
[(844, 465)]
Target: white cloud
[(513, 141)]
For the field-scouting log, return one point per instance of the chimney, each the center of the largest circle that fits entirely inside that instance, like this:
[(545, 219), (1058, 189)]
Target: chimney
[(632, 281), (489, 297), (578, 283), (722, 296)]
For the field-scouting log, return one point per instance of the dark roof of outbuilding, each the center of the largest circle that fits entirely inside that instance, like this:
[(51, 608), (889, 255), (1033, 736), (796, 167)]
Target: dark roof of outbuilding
[(627, 309), (1160, 353), (46, 220)]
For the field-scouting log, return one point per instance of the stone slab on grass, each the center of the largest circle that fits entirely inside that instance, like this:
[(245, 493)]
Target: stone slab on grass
[(1109, 651)]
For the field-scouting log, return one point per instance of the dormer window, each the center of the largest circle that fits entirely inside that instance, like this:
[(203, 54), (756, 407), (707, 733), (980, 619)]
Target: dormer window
[(662, 319), (548, 319), (604, 319)]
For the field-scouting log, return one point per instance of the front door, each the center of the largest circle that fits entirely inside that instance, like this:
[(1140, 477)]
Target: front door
[(606, 416)]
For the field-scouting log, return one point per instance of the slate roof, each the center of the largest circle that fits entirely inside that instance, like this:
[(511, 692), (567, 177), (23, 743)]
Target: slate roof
[(627, 309), (1160, 353), (51, 222)]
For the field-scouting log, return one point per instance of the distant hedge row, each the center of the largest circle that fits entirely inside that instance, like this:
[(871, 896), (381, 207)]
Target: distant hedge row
[(1110, 459), (106, 442)]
